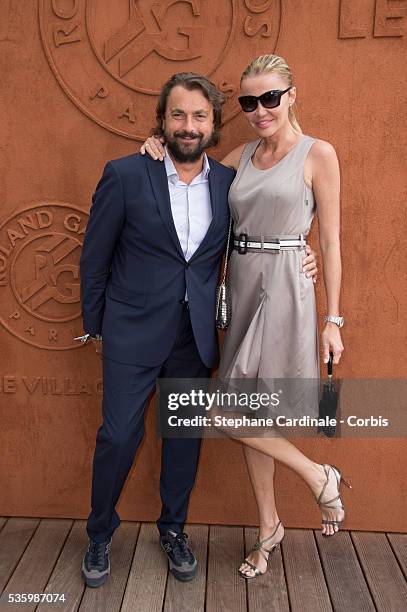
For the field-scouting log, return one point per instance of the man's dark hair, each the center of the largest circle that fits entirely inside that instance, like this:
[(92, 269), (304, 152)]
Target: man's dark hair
[(191, 81)]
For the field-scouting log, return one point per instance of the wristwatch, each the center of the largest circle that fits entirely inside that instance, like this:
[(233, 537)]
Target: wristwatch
[(339, 321)]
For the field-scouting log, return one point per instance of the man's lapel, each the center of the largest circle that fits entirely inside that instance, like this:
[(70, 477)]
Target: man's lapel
[(214, 186), (159, 182)]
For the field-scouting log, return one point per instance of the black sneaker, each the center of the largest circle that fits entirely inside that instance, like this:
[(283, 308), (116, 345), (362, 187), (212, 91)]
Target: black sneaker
[(96, 564), (181, 560)]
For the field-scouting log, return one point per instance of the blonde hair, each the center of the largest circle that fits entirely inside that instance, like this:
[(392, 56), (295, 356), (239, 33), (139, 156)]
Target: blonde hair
[(274, 63)]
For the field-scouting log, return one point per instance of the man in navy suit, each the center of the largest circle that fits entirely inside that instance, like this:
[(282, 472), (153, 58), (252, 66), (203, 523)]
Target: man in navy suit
[(149, 270)]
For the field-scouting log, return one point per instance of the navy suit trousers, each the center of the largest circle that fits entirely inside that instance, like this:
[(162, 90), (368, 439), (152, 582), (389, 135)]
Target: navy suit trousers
[(126, 389)]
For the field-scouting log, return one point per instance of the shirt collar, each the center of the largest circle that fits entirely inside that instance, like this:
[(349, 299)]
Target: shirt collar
[(171, 170)]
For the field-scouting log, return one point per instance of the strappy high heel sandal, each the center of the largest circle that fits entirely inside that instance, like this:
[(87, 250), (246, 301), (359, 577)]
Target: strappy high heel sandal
[(328, 503), (259, 546)]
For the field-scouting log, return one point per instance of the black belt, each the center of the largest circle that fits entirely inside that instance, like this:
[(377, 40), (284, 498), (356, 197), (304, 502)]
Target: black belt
[(273, 244)]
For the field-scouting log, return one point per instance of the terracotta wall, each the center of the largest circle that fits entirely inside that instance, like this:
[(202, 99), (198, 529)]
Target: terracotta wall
[(78, 87)]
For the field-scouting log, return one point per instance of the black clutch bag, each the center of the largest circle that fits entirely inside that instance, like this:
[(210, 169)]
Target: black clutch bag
[(328, 404)]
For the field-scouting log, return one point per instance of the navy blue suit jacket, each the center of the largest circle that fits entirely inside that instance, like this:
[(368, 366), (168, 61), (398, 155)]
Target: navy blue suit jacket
[(133, 271)]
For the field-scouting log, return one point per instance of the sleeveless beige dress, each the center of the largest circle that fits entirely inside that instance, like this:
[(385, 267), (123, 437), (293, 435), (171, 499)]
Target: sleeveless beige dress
[(273, 331)]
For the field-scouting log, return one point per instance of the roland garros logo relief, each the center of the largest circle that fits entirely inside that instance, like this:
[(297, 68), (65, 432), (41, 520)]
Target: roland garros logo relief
[(40, 248), (111, 58)]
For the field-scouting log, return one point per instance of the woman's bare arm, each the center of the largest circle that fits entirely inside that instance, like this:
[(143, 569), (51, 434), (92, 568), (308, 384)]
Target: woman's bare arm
[(326, 187), (154, 147), (232, 159)]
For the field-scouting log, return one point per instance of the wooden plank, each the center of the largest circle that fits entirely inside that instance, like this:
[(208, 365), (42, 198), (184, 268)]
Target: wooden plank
[(148, 574), (305, 579), (66, 577), (110, 595), (187, 596), (34, 569), (3, 520), (268, 592), (383, 574), (14, 537), (343, 574), (226, 590), (398, 542)]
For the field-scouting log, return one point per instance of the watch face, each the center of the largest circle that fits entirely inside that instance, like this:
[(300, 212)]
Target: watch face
[(338, 320)]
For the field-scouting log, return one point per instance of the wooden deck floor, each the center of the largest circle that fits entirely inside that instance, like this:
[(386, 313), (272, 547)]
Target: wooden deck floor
[(352, 571)]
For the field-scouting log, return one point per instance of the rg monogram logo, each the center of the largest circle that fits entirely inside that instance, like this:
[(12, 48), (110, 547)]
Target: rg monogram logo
[(49, 282), (39, 274), (136, 33), (111, 58)]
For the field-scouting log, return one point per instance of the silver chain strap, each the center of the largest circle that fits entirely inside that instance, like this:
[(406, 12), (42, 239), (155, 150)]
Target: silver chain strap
[(223, 300), (225, 267)]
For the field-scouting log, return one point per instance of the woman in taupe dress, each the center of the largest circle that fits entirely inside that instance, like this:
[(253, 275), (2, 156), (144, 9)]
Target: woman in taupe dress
[(282, 178)]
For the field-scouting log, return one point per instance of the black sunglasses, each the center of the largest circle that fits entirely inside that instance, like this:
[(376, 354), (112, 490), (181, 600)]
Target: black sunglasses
[(270, 99)]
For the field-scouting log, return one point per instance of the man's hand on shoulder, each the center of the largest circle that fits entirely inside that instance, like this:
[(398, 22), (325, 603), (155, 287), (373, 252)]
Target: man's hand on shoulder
[(154, 146)]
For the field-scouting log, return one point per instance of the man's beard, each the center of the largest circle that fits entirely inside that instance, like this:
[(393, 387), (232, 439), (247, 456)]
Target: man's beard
[(185, 152)]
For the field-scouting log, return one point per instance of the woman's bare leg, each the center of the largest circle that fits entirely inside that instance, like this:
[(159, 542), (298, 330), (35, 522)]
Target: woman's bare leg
[(311, 472), (261, 472), (280, 449)]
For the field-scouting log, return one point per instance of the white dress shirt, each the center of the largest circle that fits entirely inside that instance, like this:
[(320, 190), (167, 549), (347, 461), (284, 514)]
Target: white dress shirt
[(190, 206)]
